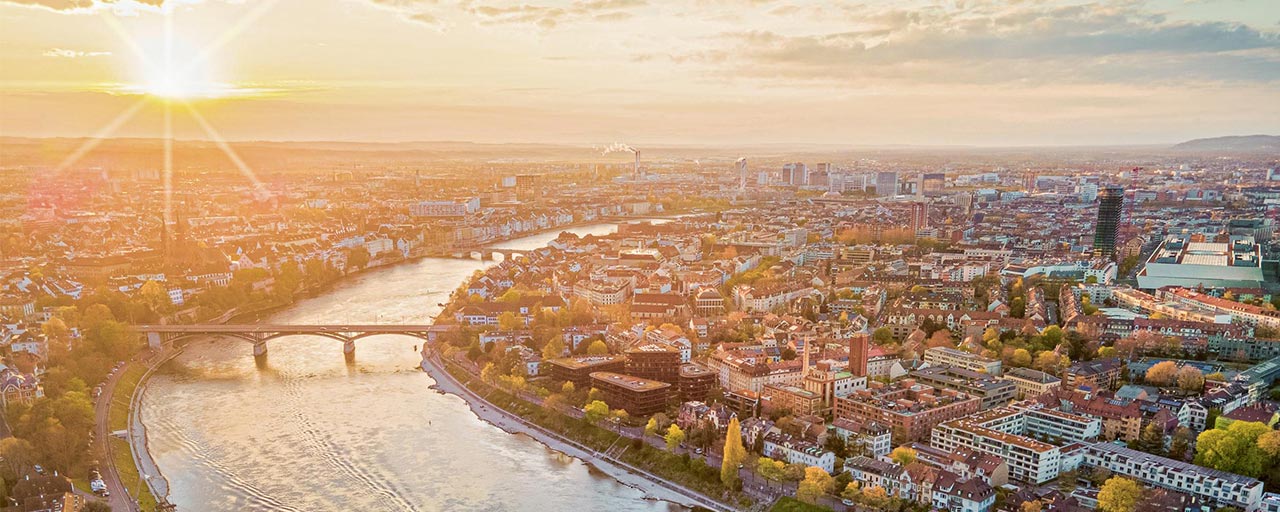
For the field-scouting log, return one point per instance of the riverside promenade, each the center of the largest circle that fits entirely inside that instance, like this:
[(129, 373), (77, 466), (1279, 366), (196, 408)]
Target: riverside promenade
[(653, 486)]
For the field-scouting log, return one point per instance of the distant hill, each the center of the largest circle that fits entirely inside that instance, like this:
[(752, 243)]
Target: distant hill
[(1238, 143)]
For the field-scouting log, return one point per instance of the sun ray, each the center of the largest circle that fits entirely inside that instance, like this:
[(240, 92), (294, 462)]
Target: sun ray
[(128, 40), (241, 24), (217, 138), (168, 122), (97, 138)]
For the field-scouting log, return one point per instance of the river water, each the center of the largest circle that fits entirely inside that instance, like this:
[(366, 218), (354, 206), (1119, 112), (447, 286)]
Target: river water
[(310, 433)]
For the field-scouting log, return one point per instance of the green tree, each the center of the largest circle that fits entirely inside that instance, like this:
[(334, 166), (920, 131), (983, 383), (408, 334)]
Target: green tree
[(1233, 449), (674, 437), (596, 411), (816, 483), (1021, 358), (154, 295), (1180, 443), (770, 469), (1119, 494), (734, 454), (882, 336), (651, 427)]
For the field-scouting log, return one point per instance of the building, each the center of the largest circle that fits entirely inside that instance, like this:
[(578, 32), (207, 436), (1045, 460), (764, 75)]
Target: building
[(962, 359), (875, 439), (708, 302), (785, 448), (1031, 383), (1018, 435), (791, 398), (654, 361), (886, 184), (1110, 207), (994, 391), (637, 396), (919, 216), (578, 369), (1180, 262), (910, 410), (1222, 488), (696, 382), (831, 383), (859, 354), (932, 183), (1098, 374), (445, 208)]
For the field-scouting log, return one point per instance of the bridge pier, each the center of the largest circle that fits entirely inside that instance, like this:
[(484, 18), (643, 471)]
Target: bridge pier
[(260, 351), (349, 351), (154, 340)]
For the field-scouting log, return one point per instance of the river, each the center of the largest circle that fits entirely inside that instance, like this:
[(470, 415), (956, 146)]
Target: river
[(310, 433)]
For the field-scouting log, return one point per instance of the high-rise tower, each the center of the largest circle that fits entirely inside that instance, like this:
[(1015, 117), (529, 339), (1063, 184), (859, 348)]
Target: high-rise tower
[(1110, 206)]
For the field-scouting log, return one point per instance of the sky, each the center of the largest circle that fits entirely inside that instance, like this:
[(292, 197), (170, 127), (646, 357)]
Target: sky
[(696, 72)]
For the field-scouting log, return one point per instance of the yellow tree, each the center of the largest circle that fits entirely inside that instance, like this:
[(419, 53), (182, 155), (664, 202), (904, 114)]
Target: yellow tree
[(1119, 494), (674, 437), (1190, 378), (815, 484), (903, 455), (734, 454)]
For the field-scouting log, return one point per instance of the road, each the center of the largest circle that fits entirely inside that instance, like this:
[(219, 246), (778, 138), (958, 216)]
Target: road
[(119, 499)]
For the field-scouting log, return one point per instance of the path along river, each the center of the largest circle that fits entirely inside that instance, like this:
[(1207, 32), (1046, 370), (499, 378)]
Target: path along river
[(311, 433)]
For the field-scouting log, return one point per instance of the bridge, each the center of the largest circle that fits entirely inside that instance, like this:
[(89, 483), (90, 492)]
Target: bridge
[(258, 335), (487, 253)]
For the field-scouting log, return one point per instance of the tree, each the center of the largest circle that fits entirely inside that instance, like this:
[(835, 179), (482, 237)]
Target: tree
[(734, 454), (153, 295), (568, 388), (903, 455), (882, 336), (851, 491), (1021, 358), (1052, 335), (1106, 352), (1047, 362), (1233, 449), (651, 427), (1032, 506), (596, 411), (674, 437), (1180, 444), (1119, 494), (1269, 443), (58, 335), (941, 338), (770, 469), (1151, 439), (18, 456), (815, 484), (598, 348), (553, 349), (1162, 373), (1190, 378), (508, 321)]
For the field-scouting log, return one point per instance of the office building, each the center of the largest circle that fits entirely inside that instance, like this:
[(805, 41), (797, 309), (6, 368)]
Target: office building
[(887, 184), (578, 369), (654, 361), (1110, 207), (962, 359), (931, 184), (637, 396), (909, 409)]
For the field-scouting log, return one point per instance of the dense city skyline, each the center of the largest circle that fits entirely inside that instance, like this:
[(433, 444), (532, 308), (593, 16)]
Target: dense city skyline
[(716, 72)]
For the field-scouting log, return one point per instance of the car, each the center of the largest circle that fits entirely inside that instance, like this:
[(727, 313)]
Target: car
[(847, 502), (39, 469), (698, 451)]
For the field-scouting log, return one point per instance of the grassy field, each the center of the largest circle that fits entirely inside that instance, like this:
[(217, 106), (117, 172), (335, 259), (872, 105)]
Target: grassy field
[(789, 504), (118, 419)]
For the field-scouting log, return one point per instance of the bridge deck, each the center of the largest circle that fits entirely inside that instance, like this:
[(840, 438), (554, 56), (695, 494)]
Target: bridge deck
[(274, 328)]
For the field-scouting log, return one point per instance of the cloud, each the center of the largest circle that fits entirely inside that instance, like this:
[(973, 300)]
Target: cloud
[(72, 54), (988, 42), (548, 17), (70, 6)]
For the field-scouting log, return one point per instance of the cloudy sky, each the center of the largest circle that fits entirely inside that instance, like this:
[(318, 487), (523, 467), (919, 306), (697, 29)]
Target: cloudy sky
[(969, 72)]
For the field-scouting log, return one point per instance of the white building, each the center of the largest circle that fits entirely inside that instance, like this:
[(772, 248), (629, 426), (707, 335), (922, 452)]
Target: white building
[(1220, 487)]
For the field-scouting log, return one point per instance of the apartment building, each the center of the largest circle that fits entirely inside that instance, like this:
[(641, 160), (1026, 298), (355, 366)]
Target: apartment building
[(909, 409), (1222, 488), (797, 451), (993, 391), (962, 359), (1031, 383), (1013, 433)]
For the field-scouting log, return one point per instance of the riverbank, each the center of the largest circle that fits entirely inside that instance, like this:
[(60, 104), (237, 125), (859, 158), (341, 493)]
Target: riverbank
[(653, 486)]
